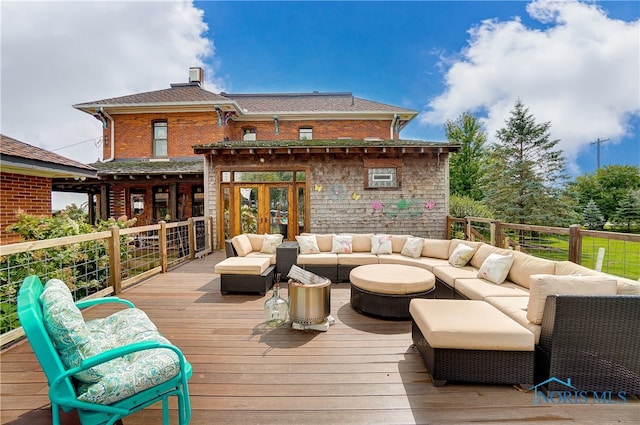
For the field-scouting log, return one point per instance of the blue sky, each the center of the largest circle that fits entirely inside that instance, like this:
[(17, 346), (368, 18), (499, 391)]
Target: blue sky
[(575, 64)]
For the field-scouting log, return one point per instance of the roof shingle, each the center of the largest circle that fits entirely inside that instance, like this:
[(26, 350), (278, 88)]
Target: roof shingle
[(12, 147)]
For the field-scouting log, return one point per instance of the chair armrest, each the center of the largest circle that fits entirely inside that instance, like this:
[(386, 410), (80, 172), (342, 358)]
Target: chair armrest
[(95, 301)]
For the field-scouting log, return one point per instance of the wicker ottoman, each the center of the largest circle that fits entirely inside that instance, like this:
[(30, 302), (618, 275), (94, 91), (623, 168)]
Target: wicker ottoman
[(245, 274), (471, 341), (385, 290)]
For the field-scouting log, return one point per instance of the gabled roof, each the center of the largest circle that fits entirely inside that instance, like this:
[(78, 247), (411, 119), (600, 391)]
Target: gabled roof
[(192, 97), (178, 94), (22, 158), (278, 103)]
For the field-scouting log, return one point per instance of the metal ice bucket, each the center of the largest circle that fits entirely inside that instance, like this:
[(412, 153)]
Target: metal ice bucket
[(309, 304)]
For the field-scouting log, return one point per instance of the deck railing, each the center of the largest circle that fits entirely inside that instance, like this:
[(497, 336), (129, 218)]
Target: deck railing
[(610, 252), (98, 264)]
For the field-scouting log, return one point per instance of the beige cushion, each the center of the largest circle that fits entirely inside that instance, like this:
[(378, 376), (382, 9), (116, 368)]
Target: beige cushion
[(480, 289), (308, 244), (256, 241), (483, 252), (381, 244), (516, 309), (423, 262), (627, 286), (271, 257), (412, 247), (342, 244), (525, 265), (392, 279), (468, 325), (357, 259), (569, 267), (541, 285), (495, 268), (270, 243), (242, 265), (397, 242), (242, 245), (324, 242), (361, 242), (461, 255), (448, 274), (436, 248), (321, 258)]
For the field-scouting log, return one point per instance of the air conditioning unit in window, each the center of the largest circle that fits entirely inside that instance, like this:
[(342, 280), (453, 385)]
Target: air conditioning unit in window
[(249, 137)]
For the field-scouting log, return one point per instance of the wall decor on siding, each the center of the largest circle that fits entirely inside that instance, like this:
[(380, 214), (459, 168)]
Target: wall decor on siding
[(337, 191)]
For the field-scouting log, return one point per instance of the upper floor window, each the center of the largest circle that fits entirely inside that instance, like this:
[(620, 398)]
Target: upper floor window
[(160, 139), (306, 133), (249, 134)]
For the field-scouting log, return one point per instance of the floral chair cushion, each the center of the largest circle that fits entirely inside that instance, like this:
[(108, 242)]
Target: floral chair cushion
[(77, 340)]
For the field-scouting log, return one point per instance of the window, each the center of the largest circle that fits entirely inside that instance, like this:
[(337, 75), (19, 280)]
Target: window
[(306, 133), (382, 174), (197, 203), (249, 134), (160, 139), (137, 204), (161, 203)]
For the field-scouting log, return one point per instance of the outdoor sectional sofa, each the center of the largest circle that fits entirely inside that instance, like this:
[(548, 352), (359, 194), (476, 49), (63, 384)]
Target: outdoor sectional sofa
[(584, 323)]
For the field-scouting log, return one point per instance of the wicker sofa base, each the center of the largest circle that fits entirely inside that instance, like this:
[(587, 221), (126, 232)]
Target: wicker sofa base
[(245, 283), (385, 306), (478, 366)]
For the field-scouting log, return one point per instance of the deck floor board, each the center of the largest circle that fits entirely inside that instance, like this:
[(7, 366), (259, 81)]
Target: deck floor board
[(362, 371)]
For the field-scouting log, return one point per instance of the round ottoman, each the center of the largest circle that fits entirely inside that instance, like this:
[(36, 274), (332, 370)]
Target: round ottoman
[(385, 290)]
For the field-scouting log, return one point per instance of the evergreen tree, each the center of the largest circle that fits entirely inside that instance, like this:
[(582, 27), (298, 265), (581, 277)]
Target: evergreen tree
[(593, 218), (628, 212), (465, 166), (525, 173)]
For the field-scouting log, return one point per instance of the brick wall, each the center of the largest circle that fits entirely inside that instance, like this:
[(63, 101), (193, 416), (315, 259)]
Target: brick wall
[(134, 133), (30, 194), (322, 129)]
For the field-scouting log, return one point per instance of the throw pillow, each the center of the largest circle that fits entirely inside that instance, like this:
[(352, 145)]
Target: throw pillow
[(342, 244), (461, 255), (270, 243), (412, 247), (495, 268), (541, 285), (308, 244), (381, 244)]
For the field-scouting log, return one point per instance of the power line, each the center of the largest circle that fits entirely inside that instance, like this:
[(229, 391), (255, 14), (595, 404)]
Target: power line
[(599, 142), (97, 141)]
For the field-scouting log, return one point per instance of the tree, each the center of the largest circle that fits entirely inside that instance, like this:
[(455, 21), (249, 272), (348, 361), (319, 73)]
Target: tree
[(465, 167), (607, 187), (525, 173), (593, 218), (628, 212), (463, 206)]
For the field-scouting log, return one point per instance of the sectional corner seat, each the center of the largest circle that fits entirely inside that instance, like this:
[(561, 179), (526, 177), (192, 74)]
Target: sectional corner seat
[(603, 310)]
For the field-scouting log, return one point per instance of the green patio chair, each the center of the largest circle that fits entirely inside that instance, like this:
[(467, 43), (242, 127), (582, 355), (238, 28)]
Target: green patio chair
[(98, 385)]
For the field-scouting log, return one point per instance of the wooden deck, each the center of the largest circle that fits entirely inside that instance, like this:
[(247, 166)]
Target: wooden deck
[(362, 371)]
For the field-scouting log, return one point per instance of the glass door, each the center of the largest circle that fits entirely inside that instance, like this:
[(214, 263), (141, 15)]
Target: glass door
[(279, 210), (247, 206)]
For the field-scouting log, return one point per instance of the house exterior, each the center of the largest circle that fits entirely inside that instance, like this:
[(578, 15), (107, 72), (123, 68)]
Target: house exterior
[(26, 174), (267, 162)]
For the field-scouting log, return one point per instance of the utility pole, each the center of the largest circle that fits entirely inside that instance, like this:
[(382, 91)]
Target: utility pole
[(598, 142)]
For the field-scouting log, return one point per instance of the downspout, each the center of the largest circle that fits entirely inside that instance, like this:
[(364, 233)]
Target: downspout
[(111, 137), (393, 125)]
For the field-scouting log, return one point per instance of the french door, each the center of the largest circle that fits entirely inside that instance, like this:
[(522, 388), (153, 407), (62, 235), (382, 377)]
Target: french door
[(262, 208)]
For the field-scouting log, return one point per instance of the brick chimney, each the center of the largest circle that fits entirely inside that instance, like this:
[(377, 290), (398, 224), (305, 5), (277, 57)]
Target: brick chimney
[(196, 75)]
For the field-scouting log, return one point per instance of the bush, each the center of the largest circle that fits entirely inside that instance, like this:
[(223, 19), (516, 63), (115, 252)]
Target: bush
[(463, 206)]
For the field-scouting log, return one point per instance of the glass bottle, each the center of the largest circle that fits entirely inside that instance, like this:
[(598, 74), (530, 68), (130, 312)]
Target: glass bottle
[(276, 309)]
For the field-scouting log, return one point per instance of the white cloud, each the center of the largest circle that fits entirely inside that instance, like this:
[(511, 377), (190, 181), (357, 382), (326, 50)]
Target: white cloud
[(59, 53), (581, 73)]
